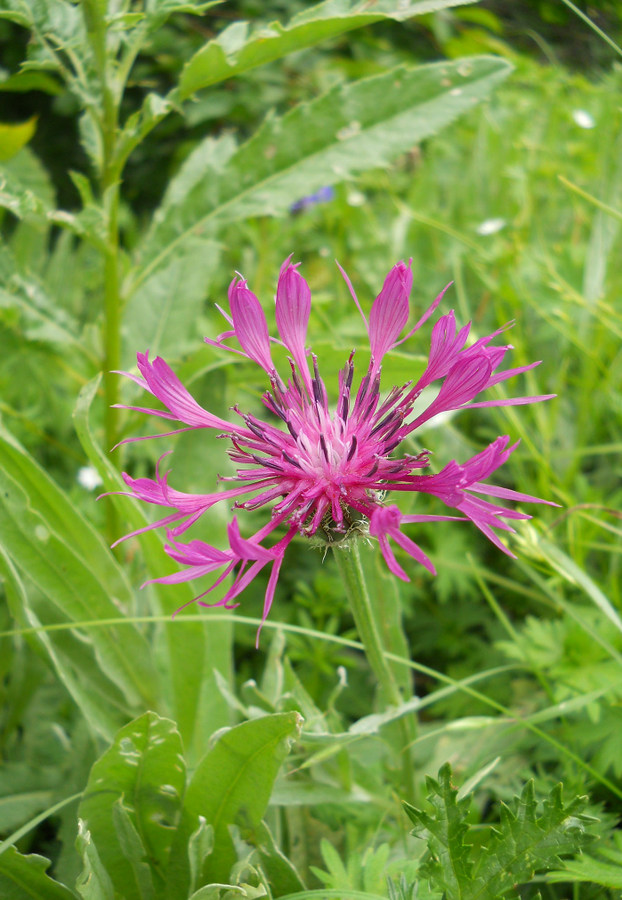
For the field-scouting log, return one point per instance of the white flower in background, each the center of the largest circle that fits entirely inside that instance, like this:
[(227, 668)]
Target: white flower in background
[(356, 198), (89, 478), (583, 119), (490, 226)]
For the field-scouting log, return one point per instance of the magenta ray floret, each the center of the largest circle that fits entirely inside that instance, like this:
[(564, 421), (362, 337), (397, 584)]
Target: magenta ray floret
[(326, 469)]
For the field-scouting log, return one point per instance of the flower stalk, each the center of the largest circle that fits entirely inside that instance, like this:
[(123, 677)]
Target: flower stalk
[(348, 561)]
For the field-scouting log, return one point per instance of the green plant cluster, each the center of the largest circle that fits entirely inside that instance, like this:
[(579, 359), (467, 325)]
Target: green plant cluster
[(149, 150)]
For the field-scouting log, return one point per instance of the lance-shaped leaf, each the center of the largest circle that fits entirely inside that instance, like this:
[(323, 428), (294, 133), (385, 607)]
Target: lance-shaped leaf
[(193, 649), (347, 131), (238, 48), (48, 541), (231, 785), (100, 701)]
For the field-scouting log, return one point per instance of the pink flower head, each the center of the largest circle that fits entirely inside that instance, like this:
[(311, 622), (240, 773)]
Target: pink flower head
[(327, 467)]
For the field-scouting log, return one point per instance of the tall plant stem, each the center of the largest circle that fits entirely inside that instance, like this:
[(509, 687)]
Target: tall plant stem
[(112, 335), (107, 120), (112, 318), (349, 565)]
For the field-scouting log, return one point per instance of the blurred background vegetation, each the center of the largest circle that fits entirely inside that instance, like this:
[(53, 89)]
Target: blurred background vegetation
[(518, 203)]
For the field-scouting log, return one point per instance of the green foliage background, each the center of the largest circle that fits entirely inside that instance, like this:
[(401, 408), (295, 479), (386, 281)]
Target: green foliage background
[(146, 153)]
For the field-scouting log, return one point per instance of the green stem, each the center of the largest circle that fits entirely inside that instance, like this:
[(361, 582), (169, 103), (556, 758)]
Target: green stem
[(109, 182), (349, 564), (112, 317)]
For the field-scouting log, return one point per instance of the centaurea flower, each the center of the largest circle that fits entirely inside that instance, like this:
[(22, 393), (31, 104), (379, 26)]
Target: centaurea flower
[(326, 470)]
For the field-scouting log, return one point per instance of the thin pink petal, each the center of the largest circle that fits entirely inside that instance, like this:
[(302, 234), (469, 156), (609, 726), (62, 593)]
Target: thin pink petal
[(167, 387), (389, 312), (245, 549), (292, 310), (251, 328)]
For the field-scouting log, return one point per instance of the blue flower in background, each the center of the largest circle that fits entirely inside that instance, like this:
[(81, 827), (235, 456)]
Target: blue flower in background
[(324, 195)]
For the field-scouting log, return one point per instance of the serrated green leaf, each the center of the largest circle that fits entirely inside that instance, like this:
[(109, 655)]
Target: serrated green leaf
[(350, 129), (232, 785), (132, 803), (238, 49), (526, 841), (23, 878), (94, 882), (447, 860)]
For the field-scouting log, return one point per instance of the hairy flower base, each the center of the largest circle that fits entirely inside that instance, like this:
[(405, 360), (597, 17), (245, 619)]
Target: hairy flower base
[(324, 471)]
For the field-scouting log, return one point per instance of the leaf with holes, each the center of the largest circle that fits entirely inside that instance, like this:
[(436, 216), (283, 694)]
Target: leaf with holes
[(132, 803)]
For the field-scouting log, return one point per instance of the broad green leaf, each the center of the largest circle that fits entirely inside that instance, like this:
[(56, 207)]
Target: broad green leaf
[(14, 137), (328, 894), (23, 878), (239, 48), (194, 649), (49, 541), (350, 129), (179, 201), (315, 793), (132, 803), (232, 785), (94, 882)]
